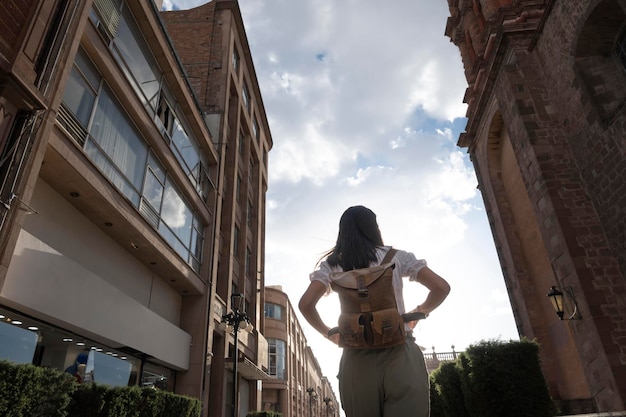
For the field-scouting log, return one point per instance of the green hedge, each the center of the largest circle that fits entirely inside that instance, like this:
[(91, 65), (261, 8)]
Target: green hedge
[(264, 414), (448, 383), (436, 403), (494, 379), (28, 390), (93, 400)]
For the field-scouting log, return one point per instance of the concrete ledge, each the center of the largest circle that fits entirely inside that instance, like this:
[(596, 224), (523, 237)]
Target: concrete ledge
[(605, 414)]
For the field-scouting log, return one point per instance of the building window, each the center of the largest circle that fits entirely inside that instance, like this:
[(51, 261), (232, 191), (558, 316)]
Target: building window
[(248, 261), (131, 50), (249, 214), (273, 311), (255, 129), (136, 60), (235, 61), (246, 97), (236, 242), (238, 187), (240, 142), (251, 172), (28, 340), (276, 358), (184, 147), (116, 147), (82, 88)]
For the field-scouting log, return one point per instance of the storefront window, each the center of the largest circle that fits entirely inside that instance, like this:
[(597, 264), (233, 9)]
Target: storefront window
[(17, 345), (26, 340)]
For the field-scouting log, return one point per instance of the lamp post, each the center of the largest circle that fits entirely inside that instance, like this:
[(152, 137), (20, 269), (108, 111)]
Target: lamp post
[(328, 401), (312, 396), (233, 322)]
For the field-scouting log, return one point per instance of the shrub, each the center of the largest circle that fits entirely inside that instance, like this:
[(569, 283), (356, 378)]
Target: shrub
[(436, 403), (448, 382), (93, 400), (28, 390), (505, 379), (263, 414)]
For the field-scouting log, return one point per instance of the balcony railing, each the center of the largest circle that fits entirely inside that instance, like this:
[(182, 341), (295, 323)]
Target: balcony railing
[(434, 359)]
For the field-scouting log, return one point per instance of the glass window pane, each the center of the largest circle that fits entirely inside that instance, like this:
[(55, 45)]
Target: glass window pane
[(156, 167), (196, 244), (246, 97), (106, 369), (112, 172), (137, 58), (78, 97), (276, 357), (153, 190), (17, 345), (89, 71), (176, 214), (119, 140), (185, 147)]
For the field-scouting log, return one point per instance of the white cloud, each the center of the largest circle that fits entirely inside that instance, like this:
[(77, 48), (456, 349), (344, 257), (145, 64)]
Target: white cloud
[(363, 103)]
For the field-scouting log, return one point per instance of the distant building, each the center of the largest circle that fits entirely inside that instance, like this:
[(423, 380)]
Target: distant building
[(132, 194), (297, 386), (546, 132), (434, 359)]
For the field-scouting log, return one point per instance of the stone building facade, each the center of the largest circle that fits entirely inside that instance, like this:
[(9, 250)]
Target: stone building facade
[(132, 195), (546, 132)]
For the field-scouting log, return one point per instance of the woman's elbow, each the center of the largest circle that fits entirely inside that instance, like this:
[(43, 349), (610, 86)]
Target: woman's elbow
[(302, 305), (443, 289), (305, 305)]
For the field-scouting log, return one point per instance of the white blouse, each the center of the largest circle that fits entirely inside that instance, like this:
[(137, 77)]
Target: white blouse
[(407, 265)]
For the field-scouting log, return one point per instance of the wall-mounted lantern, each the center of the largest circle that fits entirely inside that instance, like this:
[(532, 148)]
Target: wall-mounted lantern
[(556, 297)]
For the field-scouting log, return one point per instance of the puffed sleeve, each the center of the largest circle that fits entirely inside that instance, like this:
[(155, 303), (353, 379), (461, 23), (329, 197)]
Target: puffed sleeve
[(322, 274), (409, 264)]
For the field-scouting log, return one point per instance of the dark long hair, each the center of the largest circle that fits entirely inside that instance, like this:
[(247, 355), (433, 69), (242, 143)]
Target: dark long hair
[(358, 238)]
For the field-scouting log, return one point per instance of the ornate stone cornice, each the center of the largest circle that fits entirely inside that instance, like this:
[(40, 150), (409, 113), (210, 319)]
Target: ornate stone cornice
[(519, 20)]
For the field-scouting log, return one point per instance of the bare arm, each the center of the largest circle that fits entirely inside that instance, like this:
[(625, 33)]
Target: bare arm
[(308, 307), (438, 291)]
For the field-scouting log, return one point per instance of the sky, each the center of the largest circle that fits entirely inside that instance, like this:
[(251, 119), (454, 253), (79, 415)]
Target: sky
[(365, 106)]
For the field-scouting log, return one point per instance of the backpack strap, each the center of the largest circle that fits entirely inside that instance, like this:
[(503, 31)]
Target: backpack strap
[(389, 256)]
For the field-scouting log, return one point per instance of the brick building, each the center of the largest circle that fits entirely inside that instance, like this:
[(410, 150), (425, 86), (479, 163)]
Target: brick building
[(132, 190), (211, 42), (546, 132), (297, 386)]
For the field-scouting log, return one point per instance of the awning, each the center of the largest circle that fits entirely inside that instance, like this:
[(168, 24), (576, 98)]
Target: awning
[(247, 369)]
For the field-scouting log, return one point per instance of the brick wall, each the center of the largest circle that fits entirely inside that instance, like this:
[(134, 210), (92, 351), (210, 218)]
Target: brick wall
[(200, 48), (14, 16), (559, 91)]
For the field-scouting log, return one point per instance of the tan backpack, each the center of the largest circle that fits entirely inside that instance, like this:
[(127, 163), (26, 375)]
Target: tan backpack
[(369, 314)]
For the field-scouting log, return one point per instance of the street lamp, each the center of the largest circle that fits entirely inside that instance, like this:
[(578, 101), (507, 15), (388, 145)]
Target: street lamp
[(556, 297), (233, 322), (328, 401), (312, 397)]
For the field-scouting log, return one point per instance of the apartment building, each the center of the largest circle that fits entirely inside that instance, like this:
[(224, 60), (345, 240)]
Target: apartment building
[(297, 386), (132, 202)]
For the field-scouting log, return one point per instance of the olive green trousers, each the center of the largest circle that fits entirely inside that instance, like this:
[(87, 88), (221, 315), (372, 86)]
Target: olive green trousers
[(391, 382)]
